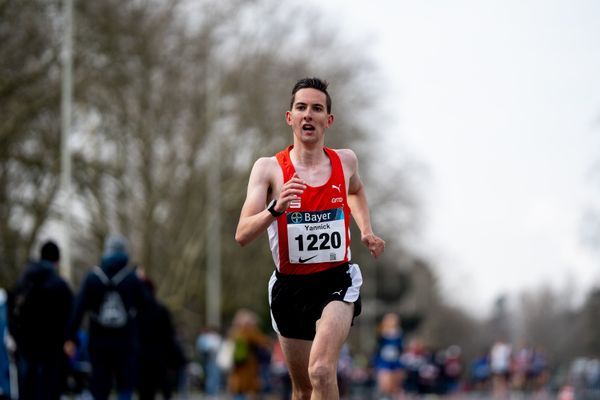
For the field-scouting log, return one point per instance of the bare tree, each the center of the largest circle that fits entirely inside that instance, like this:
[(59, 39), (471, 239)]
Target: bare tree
[(29, 127), (159, 84)]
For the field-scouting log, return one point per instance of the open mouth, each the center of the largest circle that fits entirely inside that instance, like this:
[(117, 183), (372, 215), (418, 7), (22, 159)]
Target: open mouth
[(308, 127)]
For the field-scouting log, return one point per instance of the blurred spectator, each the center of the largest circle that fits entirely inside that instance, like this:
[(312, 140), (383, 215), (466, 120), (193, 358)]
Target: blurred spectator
[(112, 294), (592, 374), (280, 373), (207, 346), (39, 308), (159, 352), (451, 370), (539, 370), (180, 368), (244, 381), (584, 375), (430, 373), (263, 355), (344, 371), (80, 368), (4, 360), (414, 359), (388, 366), (362, 379), (521, 367), (500, 360), (480, 372)]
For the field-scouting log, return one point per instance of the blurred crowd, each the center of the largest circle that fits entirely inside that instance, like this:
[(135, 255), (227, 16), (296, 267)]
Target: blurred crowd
[(394, 370), (128, 345), (398, 367), (112, 336)]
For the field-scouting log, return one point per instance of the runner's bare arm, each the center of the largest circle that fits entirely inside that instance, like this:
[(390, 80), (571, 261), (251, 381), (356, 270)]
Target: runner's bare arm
[(254, 217), (357, 200)]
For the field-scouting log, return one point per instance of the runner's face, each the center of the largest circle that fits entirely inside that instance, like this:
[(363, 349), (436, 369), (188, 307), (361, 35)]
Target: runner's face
[(308, 116)]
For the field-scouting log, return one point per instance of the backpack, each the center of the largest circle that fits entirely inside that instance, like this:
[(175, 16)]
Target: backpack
[(112, 312)]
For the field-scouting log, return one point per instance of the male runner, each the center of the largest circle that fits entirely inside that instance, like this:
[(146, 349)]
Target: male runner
[(308, 190)]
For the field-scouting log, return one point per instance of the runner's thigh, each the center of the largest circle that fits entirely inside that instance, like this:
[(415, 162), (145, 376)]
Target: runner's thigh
[(332, 331)]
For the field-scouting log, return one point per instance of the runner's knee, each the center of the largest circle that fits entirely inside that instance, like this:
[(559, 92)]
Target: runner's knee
[(322, 374)]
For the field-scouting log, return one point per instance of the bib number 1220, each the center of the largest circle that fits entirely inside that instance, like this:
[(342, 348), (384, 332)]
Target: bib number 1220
[(324, 241)]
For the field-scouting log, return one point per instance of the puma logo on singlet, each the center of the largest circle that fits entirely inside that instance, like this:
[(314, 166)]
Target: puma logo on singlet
[(338, 292), (337, 187)]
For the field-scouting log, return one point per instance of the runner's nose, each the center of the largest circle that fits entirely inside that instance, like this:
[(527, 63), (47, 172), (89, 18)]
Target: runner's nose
[(307, 114)]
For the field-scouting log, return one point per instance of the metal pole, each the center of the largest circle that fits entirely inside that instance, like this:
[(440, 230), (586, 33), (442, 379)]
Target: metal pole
[(213, 281), (213, 270), (66, 118)]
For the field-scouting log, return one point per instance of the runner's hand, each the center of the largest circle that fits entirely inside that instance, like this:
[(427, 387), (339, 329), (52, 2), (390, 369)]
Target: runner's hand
[(374, 243), (290, 190)]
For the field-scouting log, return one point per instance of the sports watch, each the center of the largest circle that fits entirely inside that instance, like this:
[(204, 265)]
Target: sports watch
[(271, 208)]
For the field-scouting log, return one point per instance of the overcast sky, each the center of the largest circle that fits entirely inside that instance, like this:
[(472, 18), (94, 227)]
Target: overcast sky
[(500, 100)]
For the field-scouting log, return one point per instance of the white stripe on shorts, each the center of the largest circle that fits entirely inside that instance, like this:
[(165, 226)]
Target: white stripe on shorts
[(272, 281), (357, 280)]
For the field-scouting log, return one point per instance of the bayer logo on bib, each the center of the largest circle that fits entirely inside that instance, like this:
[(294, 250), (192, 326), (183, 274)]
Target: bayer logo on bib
[(316, 236)]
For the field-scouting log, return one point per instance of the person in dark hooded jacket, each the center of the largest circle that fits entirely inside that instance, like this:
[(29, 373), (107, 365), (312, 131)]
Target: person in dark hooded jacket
[(113, 349), (161, 353), (40, 306)]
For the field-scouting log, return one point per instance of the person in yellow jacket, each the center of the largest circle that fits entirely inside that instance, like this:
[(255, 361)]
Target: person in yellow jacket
[(244, 381)]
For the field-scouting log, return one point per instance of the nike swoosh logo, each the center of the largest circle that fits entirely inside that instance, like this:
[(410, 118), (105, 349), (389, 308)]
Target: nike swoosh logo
[(303, 260)]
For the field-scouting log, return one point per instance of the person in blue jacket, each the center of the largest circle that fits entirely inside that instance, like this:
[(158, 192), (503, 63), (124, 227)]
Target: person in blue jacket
[(388, 366), (113, 335)]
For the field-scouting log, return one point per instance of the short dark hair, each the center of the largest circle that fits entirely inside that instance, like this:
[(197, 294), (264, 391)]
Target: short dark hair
[(50, 252), (312, 83)]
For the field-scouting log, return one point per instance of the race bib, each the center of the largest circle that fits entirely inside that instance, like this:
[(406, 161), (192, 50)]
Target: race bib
[(316, 236)]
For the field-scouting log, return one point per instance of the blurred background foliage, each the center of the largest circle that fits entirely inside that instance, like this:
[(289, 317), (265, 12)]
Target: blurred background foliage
[(166, 92)]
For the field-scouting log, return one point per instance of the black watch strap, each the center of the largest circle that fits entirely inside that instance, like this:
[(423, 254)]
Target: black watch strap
[(271, 209)]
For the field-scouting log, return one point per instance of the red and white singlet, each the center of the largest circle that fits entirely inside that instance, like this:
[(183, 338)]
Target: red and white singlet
[(313, 234)]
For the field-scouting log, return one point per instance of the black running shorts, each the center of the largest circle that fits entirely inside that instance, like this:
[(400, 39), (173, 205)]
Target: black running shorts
[(297, 301)]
